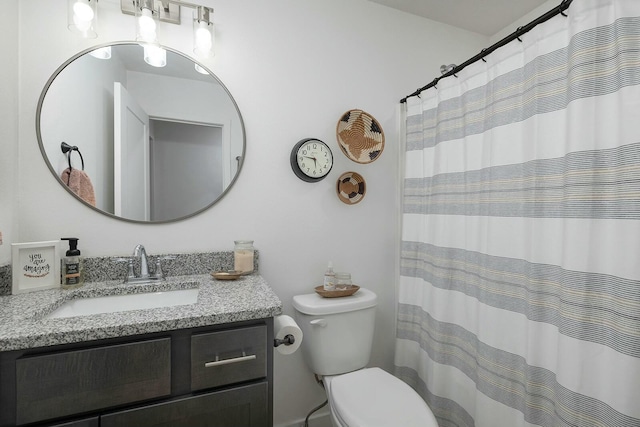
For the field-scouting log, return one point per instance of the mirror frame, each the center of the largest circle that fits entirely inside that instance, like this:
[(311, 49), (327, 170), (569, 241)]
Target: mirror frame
[(57, 177)]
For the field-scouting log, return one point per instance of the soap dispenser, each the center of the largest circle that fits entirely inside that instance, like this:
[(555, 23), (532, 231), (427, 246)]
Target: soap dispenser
[(72, 269)]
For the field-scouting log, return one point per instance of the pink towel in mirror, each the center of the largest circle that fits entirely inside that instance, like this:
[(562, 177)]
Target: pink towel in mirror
[(78, 181)]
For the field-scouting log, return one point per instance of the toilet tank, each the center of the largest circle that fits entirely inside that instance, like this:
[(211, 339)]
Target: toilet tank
[(338, 332)]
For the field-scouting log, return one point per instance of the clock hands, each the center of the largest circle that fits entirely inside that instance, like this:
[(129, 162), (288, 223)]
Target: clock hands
[(315, 161)]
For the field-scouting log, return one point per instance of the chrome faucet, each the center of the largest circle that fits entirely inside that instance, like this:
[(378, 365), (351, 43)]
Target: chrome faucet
[(145, 276), (141, 253)]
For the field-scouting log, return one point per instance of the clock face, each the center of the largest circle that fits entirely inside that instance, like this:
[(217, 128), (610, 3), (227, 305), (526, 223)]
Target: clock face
[(311, 160)]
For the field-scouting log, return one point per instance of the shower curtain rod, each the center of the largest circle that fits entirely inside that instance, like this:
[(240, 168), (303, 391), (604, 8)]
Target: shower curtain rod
[(564, 5)]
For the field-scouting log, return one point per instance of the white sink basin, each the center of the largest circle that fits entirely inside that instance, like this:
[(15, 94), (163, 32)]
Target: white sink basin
[(115, 303)]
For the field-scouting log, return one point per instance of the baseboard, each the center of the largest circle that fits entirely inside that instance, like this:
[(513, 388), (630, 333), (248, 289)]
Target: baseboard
[(316, 420)]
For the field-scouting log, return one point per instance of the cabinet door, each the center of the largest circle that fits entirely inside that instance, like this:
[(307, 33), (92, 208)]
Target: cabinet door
[(86, 422), (238, 407), (73, 382)]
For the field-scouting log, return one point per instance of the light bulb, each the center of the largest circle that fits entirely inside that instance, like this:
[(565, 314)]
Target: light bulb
[(146, 21), (203, 32), (82, 11), (203, 37), (147, 26), (81, 24), (82, 17)]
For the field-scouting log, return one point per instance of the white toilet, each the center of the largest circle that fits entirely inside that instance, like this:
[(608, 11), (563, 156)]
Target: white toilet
[(338, 334)]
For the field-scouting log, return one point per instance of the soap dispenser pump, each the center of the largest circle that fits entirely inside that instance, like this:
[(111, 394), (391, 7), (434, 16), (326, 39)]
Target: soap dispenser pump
[(72, 268)]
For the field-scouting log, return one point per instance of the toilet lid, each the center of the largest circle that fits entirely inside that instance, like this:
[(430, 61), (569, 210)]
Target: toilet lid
[(372, 397)]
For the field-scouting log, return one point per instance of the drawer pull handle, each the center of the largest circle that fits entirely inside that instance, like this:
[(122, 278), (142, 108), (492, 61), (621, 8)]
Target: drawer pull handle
[(228, 361)]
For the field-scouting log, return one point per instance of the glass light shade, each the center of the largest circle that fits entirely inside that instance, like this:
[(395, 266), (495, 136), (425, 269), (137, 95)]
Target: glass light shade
[(82, 17), (203, 32), (101, 53), (146, 22), (155, 55)]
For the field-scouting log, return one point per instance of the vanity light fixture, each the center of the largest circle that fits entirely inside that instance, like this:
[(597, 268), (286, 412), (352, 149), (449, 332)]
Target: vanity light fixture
[(82, 17), (149, 12), (203, 32)]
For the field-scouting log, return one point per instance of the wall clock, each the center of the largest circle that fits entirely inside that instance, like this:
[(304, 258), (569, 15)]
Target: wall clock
[(311, 160)]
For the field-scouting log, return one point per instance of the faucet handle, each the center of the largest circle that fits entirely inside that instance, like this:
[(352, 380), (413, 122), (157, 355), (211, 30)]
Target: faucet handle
[(158, 273), (130, 273)]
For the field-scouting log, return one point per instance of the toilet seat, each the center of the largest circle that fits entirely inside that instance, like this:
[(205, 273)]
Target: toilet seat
[(372, 397)]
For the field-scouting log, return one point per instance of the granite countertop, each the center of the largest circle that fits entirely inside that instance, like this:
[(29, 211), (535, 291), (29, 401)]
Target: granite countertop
[(23, 324)]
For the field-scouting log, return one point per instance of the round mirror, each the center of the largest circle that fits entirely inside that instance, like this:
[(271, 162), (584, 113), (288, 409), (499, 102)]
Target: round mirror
[(139, 142)]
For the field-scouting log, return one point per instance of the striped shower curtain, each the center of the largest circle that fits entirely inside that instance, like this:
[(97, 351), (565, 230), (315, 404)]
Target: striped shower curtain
[(519, 291)]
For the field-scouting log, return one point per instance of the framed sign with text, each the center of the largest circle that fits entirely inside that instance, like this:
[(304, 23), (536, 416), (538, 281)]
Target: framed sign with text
[(35, 266)]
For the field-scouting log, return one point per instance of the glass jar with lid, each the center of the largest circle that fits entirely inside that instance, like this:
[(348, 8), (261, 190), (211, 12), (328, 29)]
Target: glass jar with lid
[(343, 281), (243, 255)]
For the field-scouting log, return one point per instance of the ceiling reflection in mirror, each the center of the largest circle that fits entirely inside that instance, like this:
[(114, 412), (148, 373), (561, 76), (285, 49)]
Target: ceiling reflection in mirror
[(158, 144)]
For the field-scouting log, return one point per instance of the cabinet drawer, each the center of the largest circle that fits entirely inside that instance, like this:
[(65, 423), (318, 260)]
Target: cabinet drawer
[(227, 357), (73, 382), (244, 406)]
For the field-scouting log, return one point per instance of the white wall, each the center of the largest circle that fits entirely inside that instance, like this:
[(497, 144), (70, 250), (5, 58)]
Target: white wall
[(535, 13), (9, 47), (86, 89), (294, 67)]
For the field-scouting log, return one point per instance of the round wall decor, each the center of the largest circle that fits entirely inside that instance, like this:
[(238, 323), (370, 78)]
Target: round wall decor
[(351, 188), (311, 160), (360, 136)]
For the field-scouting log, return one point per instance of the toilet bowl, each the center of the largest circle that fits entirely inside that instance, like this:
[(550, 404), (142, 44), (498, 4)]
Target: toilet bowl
[(338, 337), (373, 398)]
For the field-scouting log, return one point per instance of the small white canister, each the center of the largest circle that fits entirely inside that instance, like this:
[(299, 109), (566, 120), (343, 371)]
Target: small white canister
[(343, 281), (243, 254)]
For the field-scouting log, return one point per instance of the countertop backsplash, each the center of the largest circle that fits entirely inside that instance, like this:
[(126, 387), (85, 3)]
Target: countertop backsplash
[(100, 269), (5, 279)]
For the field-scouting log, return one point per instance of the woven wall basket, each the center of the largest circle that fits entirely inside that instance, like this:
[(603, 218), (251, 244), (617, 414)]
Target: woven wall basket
[(360, 136), (351, 188)]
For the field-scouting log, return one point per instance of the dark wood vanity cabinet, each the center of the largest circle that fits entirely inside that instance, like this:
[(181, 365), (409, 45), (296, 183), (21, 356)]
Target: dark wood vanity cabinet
[(208, 377), (240, 406), (65, 383)]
